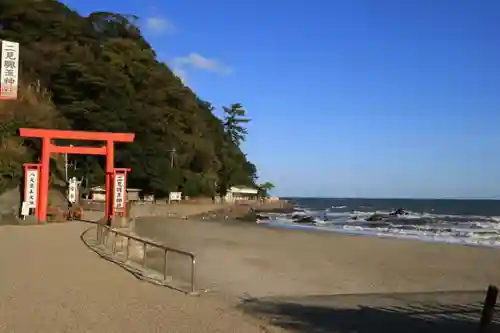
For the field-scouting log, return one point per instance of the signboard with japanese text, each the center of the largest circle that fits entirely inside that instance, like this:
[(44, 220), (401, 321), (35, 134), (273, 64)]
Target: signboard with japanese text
[(72, 190), (9, 70), (175, 196), (31, 187), (120, 191)]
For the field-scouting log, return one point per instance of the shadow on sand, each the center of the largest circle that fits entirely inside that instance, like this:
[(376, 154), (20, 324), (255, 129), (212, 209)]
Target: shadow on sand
[(409, 313)]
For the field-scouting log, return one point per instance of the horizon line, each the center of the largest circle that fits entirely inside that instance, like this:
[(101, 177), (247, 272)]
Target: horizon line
[(394, 198)]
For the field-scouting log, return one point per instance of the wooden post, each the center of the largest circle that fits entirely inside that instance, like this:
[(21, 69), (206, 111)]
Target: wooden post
[(488, 309)]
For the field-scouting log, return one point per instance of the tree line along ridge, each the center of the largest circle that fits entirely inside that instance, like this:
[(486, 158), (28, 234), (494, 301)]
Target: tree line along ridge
[(98, 73)]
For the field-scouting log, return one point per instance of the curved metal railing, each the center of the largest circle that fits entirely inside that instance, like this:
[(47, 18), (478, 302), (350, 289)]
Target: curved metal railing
[(103, 232)]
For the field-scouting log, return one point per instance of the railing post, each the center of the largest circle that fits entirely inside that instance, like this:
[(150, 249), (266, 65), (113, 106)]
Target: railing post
[(488, 308), (128, 249), (193, 287), (105, 233), (113, 246), (144, 255), (165, 267)]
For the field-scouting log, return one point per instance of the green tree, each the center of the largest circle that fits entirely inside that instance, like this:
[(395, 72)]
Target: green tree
[(265, 188), (104, 76), (32, 109), (234, 168), (234, 119)]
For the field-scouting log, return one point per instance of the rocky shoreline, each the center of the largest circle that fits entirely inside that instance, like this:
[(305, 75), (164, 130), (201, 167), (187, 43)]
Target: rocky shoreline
[(298, 216), (247, 213)]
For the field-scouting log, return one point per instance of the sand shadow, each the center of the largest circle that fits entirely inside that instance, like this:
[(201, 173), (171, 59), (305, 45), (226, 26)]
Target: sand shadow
[(402, 314)]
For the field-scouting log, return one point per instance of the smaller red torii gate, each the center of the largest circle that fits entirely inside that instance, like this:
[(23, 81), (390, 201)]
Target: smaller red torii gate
[(48, 147)]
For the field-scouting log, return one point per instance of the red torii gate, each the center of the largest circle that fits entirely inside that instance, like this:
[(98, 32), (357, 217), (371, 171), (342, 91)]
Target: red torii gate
[(48, 147)]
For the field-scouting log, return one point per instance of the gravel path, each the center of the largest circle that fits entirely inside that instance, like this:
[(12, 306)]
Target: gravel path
[(51, 282)]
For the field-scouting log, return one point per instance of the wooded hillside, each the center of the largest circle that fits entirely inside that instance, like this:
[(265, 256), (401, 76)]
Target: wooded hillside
[(100, 74)]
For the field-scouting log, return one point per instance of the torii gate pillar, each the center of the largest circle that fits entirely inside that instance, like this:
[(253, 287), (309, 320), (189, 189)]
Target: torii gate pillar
[(48, 147)]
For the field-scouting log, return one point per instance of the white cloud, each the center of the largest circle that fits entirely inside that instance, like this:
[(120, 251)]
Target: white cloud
[(196, 61), (159, 25)]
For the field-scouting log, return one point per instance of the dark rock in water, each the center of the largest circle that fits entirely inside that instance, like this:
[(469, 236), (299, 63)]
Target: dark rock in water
[(304, 220), (399, 211), (377, 217), (249, 217), (385, 217), (286, 209), (262, 217)]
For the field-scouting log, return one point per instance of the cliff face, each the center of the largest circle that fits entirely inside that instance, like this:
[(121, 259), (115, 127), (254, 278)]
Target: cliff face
[(102, 75)]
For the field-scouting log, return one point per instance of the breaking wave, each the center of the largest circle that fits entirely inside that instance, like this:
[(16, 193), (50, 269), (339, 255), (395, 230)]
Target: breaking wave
[(426, 226)]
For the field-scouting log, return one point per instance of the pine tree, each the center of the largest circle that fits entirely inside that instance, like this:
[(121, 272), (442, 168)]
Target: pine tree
[(234, 119)]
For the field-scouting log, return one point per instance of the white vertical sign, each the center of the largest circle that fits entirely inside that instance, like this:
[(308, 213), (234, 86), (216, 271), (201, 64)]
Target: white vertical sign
[(31, 190), (72, 190), (9, 72), (25, 210), (120, 191)]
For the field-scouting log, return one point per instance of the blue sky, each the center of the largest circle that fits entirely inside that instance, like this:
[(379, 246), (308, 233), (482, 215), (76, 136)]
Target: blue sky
[(353, 98)]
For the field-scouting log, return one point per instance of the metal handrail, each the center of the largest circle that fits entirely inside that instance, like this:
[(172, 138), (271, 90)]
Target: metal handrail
[(100, 238)]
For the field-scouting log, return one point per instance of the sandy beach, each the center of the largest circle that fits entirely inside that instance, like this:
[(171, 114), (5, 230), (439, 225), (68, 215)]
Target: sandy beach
[(311, 281), (308, 281), (257, 279), (243, 259)]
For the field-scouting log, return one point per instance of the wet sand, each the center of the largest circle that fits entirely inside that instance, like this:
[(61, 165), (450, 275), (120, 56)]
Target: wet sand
[(243, 259)]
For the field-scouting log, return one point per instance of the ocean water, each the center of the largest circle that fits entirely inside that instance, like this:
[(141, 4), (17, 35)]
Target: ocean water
[(468, 222)]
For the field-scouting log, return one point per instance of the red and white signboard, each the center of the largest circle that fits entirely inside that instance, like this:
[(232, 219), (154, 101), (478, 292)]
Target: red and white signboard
[(31, 187), (9, 70), (120, 191)]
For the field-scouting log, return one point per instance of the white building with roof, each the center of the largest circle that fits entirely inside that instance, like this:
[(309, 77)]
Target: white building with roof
[(241, 193)]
